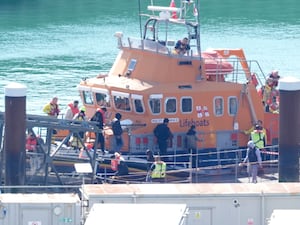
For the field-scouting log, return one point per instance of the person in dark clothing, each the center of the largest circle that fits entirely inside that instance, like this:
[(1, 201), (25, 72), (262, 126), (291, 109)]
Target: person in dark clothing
[(99, 118), (150, 158), (191, 144), (117, 131), (163, 134), (182, 46)]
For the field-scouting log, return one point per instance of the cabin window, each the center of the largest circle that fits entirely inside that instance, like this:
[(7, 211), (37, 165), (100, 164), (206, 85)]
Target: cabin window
[(138, 105), (88, 97), (155, 105), (218, 106), (171, 106), (122, 103), (232, 106), (186, 104), (132, 65), (102, 99)]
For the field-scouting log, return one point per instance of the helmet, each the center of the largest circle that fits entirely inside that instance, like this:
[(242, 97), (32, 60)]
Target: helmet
[(251, 144), (82, 109), (166, 120), (118, 116)]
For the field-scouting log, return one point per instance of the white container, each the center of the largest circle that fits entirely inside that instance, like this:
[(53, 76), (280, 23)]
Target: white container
[(207, 203), (285, 216), (137, 214), (40, 209)]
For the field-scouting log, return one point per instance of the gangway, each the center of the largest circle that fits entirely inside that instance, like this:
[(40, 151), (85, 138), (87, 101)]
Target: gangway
[(49, 151)]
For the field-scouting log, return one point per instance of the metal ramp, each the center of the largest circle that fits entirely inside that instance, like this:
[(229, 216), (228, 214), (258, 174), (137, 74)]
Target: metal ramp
[(49, 153)]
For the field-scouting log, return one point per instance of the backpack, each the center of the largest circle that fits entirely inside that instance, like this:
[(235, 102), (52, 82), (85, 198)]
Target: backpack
[(252, 157)]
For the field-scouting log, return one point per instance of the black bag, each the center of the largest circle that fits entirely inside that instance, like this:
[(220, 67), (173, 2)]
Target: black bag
[(252, 157)]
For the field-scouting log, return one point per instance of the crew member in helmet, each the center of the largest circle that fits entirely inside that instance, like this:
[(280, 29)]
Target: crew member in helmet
[(253, 160), (75, 141)]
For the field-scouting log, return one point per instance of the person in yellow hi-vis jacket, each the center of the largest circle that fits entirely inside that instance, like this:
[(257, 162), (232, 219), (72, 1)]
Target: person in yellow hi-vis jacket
[(258, 137), (258, 123), (158, 170)]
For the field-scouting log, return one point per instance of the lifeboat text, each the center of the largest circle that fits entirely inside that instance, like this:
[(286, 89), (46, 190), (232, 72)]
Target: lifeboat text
[(197, 123)]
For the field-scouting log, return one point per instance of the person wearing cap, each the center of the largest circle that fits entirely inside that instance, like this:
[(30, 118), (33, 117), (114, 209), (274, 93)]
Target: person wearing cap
[(117, 131), (99, 117), (253, 160), (191, 144), (163, 134), (72, 110)]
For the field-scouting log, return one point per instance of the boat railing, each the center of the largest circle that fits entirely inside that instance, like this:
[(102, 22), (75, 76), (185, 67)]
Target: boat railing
[(236, 75), (205, 166), (160, 47)]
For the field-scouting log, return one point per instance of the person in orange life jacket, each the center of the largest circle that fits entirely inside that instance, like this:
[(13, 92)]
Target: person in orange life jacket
[(253, 159), (83, 154), (52, 108), (99, 117), (158, 170), (163, 134), (117, 131), (31, 143), (72, 110), (119, 165)]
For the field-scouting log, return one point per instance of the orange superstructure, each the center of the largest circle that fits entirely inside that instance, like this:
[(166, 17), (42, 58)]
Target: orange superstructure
[(212, 89)]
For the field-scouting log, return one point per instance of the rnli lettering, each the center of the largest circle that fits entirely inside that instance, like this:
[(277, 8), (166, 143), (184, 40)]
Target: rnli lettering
[(197, 123)]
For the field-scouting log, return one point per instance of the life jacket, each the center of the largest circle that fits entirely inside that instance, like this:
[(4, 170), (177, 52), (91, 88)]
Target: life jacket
[(159, 170), (258, 136), (31, 144), (74, 110), (54, 111), (102, 113)]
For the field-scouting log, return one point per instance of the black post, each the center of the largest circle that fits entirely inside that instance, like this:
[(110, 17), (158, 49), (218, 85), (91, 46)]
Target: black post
[(289, 130), (14, 139)]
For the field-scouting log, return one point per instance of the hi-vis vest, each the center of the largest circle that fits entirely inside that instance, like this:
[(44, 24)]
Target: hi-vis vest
[(258, 138), (159, 170)]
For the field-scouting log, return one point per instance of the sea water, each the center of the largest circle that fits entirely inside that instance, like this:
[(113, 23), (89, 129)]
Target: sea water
[(49, 46)]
